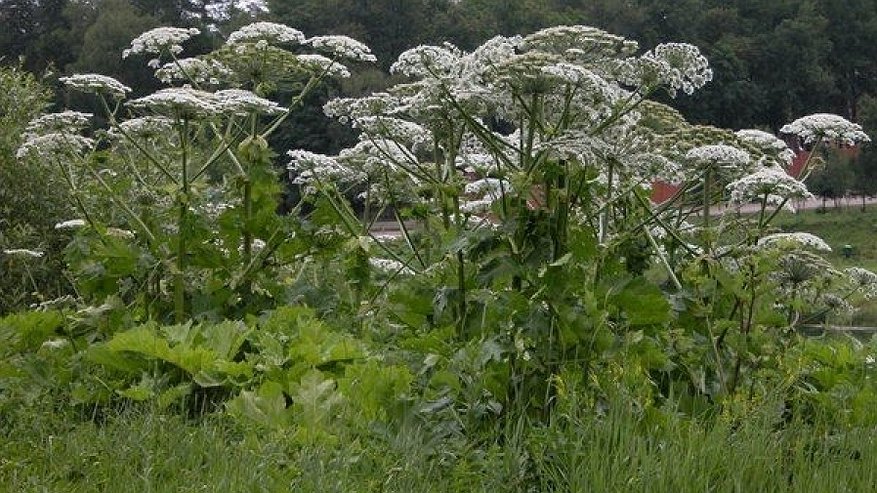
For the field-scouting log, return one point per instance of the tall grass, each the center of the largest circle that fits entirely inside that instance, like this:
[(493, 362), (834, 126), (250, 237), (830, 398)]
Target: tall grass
[(142, 450)]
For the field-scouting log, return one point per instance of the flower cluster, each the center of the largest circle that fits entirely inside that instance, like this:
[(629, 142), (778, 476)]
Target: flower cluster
[(52, 145), (159, 40), (719, 157), (824, 127), (145, 126), (96, 83), (769, 144), (675, 65), (195, 70), (580, 43), (864, 280), (427, 61), (319, 63), (389, 266), (179, 101), (806, 240), (270, 32), (240, 101), (343, 47), (764, 183), (65, 121), (311, 170)]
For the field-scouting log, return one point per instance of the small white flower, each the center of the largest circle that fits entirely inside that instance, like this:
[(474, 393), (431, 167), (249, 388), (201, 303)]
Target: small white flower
[(66, 121), (343, 47), (390, 266), (70, 224), (319, 63), (159, 40), (676, 66), (719, 157), (176, 101), (270, 32), (52, 145), (826, 127), (96, 83), (427, 61), (769, 143), (770, 182), (195, 70), (242, 102), (145, 126), (806, 240)]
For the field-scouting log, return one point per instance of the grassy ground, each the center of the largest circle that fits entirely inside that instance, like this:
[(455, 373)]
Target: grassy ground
[(145, 451)]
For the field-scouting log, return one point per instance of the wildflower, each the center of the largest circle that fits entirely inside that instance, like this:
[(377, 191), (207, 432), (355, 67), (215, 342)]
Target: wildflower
[(582, 43), (96, 83), (427, 61), (52, 145), (394, 128), (319, 63), (65, 121), (179, 101), (769, 143), (806, 240), (719, 157), (159, 40), (768, 181), (864, 280), (824, 127), (674, 65), (269, 32), (144, 126), (23, 253), (70, 224), (194, 70), (343, 47), (243, 102), (389, 266)]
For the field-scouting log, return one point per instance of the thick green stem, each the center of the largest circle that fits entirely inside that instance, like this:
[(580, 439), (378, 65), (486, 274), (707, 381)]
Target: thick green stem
[(182, 219)]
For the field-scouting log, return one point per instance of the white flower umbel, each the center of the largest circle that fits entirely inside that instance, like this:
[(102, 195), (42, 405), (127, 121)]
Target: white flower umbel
[(66, 121), (159, 40), (270, 32), (389, 266), (193, 70), (319, 63), (719, 157), (243, 102), (70, 224), (806, 240), (145, 126), (179, 101), (824, 127), (581, 43), (408, 133), (342, 47), (312, 170), (427, 61), (52, 145), (768, 143), (23, 253), (96, 83), (675, 66), (767, 182), (864, 280)]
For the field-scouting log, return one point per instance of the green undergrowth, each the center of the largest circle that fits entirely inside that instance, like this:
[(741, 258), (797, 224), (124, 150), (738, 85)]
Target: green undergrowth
[(139, 449)]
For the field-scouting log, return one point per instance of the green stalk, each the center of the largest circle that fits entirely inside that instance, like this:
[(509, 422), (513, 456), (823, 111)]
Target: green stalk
[(179, 280)]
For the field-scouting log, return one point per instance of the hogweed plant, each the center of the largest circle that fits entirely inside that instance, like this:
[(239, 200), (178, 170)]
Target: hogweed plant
[(528, 253), (197, 148), (527, 165)]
